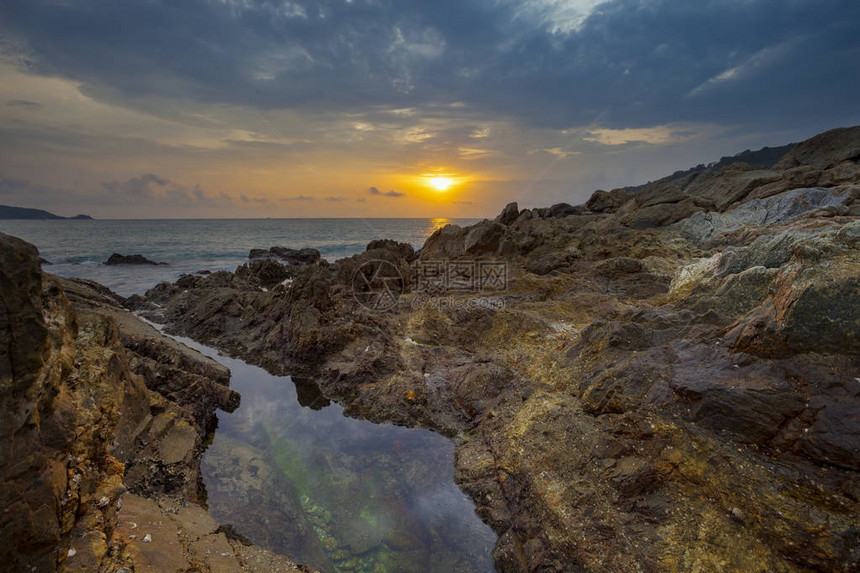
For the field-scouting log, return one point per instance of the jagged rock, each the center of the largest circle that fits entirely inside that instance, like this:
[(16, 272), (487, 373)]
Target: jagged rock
[(690, 276), (264, 271), (561, 210), (81, 427), (726, 187), (608, 420), (849, 235), (825, 150), (607, 202), (33, 357), (118, 259), (546, 263), (803, 176), (845, 173), (660, 214), (816, 308), (444, 243), (484, 238), (305, 256), (769, 251), (659, 193), (509, 214), (403, 250), (701, 227)]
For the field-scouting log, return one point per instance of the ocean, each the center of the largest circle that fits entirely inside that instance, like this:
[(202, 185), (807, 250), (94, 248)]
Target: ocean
[(78, 248)]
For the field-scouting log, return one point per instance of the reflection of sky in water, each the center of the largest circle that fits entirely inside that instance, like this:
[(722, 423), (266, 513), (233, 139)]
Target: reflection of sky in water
[(383, 490)]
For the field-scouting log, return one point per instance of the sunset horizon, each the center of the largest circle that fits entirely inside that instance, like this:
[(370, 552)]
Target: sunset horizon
[(359, 109), (430, 286)]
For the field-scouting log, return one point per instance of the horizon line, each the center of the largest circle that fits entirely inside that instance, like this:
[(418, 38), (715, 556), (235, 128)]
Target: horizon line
[(237, 218)]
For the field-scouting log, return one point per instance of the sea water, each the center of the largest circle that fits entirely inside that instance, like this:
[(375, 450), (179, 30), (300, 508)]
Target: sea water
[(78, 248)]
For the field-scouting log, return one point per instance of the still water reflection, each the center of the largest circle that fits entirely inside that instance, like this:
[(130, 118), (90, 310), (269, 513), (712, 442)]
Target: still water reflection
[(341, 494)]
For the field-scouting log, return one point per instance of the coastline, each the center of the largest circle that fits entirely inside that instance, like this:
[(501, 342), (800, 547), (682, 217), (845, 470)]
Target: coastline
[(659, 386), (664, 380)]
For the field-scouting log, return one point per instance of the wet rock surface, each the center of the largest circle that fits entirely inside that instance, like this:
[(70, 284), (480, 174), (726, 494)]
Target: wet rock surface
[(118, 259), (104, 423), (666, 382), (304, 256)]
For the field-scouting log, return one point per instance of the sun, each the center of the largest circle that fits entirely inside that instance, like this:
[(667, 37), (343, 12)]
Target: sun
[(440, 183)]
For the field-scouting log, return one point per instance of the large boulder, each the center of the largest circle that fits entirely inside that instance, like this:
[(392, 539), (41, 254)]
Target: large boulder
[(265, 272), (729, 185), (509, 214), (402, 250), (825, 150), (658, 193), (607, 201), (562, 210), (484, 238), (659, 214), (444, 243), (305, 256)]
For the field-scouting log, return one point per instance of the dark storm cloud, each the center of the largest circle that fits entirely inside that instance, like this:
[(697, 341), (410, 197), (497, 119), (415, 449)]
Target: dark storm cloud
[(631, 63)]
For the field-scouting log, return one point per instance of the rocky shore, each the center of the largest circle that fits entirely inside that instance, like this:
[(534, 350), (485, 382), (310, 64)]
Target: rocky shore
[(104, 423), (662, 379), (665, 380)]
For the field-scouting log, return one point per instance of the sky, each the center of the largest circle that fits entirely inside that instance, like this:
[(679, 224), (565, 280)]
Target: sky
[(400, 108)]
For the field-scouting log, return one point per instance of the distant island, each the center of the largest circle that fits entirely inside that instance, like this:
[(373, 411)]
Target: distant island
[(9, 212)]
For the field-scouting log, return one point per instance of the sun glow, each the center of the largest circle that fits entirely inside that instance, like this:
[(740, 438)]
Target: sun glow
[(440, 183)]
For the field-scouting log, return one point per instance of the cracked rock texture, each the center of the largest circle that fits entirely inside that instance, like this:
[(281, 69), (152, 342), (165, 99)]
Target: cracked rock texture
[(667, 382), (104, 421)]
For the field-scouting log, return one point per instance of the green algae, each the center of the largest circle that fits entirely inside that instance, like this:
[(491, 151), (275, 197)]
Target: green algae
[(358, 497)]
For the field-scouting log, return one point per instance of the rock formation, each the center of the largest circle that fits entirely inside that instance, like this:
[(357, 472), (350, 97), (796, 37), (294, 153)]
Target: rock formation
[(104, 421), (667, 380), (289, 256), (118, 259), (661, 379)]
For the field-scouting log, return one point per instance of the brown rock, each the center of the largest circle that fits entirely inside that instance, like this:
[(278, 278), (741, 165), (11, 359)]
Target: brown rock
[(825, 150), (509, 214)]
